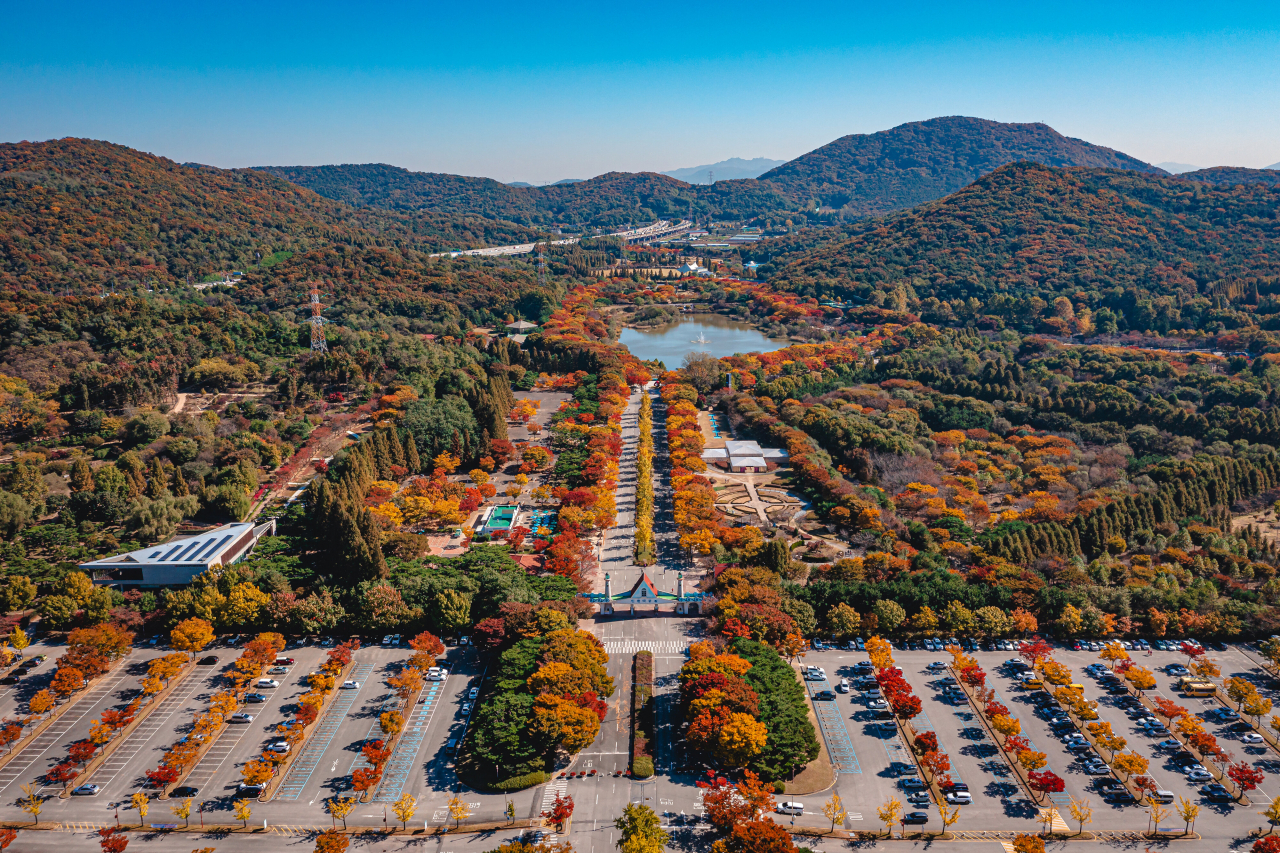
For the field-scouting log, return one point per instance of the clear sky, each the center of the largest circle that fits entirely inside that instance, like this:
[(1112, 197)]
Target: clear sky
[(538, 93)]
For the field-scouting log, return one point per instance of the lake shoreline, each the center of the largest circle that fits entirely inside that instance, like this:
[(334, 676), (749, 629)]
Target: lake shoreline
[(671, 342)]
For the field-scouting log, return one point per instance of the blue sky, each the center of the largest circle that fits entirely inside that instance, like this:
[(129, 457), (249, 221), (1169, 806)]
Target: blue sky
[(518, 93)]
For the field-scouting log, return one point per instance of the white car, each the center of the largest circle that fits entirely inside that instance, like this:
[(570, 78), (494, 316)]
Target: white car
[(473, 694), (240, 718), (280, 747), (350, 685), (268, 682), (959, 798), (936, 666), (1252, 737), (466, 708), (843, 686), (1199, 776), (877, 704)]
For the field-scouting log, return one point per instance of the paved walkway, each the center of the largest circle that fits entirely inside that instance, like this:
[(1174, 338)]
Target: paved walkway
[(617, 546)]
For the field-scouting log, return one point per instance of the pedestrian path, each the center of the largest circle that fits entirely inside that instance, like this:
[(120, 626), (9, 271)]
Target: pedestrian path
[(21, 765), (657, 647), (300, 773), (554, 787), (404, 757), (834, 731)]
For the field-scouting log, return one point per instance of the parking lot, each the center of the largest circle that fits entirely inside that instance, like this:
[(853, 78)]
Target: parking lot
[(998, 797)]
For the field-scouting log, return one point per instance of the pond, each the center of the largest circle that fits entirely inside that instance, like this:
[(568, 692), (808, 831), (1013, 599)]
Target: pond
[(670, 344)]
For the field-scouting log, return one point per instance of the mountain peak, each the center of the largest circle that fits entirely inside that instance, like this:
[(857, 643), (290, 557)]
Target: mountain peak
[(873, 173)]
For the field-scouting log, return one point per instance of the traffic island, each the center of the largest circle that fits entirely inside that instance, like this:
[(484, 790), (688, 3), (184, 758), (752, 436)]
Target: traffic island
[(283, 768)]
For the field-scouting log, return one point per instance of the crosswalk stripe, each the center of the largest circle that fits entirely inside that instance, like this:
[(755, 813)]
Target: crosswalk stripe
[(657, 647)]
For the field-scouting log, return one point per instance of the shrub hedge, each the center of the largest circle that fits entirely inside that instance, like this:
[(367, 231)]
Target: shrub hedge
[(642, 715)]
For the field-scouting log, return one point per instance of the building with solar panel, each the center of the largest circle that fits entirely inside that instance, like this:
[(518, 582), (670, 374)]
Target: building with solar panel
[(177, 562)]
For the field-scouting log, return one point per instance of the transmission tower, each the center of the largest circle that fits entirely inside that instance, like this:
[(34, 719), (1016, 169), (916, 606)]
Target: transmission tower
[(318, 342), (542, 268)]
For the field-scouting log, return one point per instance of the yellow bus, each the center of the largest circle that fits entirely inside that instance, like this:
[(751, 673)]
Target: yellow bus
[(1198, 688)]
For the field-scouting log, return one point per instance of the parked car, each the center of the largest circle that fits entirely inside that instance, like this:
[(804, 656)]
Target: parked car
[(278, 670), (824, 696), (466, 708), (207, 660), (267, 682), (843, 686), (10, 679), (255, 698), (936, 666), (1252, 737), (86, 791), (184, 792), (247, 790), (915, 818), (1199, 776), (474, 693), (877, 704), (919, 798), (240, 718), (350, 685), (959, 798), (280, 747), (1097, 767), (1169, 743), (911, 783), (790, 808)]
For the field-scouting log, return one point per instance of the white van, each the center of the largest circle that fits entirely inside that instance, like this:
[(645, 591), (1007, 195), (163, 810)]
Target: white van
[(1161, 796), (790, 808)]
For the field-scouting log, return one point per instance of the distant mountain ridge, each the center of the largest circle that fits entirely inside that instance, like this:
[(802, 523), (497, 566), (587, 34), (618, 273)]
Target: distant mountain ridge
[(1029, 229), (79, 213), (852, 177), (726, 170)]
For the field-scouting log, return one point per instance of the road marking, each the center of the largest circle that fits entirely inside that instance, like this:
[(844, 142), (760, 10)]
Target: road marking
[(32, 752), (300, 773)]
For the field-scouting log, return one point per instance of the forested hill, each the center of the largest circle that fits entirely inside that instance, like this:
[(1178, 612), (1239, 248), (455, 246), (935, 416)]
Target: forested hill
[(1029, 229), (875, 173), (77, 214), (860, 175), (611, 200)]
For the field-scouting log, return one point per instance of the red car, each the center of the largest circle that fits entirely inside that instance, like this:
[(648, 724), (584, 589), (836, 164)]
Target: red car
[(284, 661)]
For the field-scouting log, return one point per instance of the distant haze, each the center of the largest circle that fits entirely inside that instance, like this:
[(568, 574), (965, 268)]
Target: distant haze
[(1275, 166), (556, 183), (1177, 168), (725, 170)]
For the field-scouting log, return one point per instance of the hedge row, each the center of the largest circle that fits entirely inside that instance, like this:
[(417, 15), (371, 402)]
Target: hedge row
[(642, 715)]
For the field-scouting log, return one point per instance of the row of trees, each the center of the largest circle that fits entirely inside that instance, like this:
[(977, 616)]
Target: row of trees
[(644, 544)]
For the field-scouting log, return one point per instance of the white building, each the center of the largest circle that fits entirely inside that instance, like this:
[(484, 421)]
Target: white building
[(179, 561), (745, 457)]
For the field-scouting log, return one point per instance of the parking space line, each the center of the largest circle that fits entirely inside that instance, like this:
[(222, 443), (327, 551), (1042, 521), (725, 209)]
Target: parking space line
[(400, 766), (300, 773), (128, 750), (834, 732), (18, 767)]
